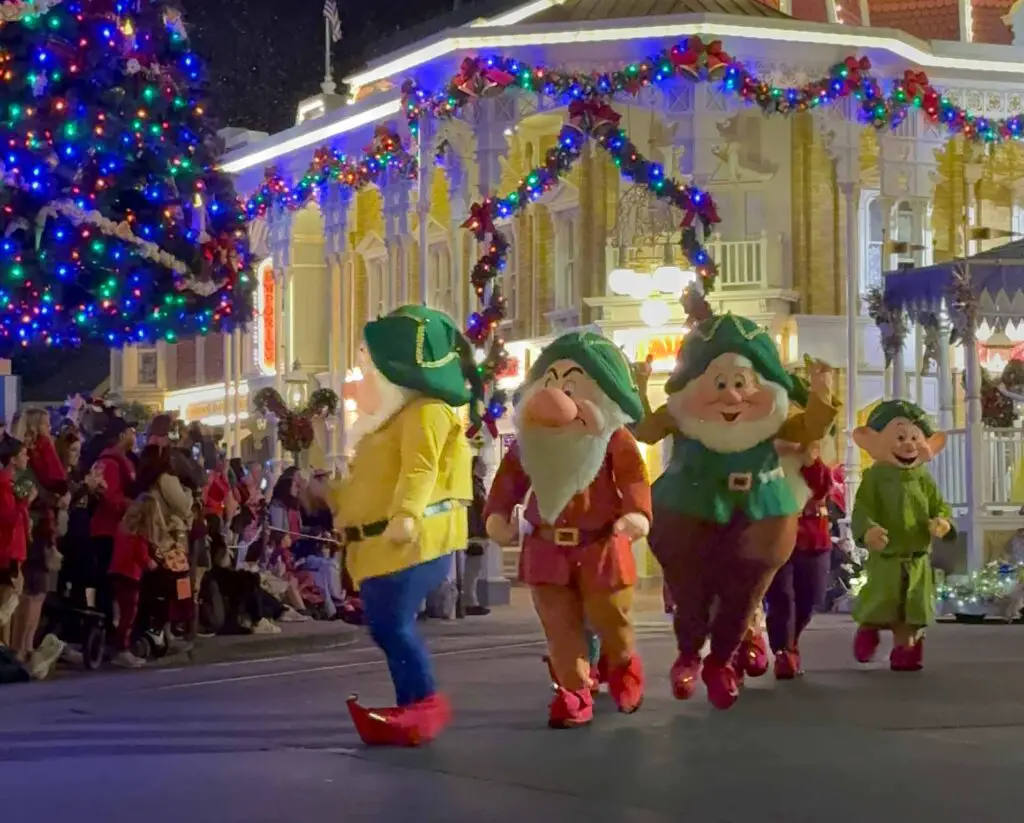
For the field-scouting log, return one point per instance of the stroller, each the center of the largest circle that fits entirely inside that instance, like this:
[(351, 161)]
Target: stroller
[(76, 625), (164, 591)]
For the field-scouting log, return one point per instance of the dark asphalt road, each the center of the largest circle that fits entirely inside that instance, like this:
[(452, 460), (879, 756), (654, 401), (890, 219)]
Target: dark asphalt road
[(270, 741)]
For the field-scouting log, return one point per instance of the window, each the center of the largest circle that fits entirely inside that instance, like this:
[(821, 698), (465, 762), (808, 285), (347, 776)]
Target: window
[(873, 240), (440, 291), (147, 373), (377, 287), (565, 263)]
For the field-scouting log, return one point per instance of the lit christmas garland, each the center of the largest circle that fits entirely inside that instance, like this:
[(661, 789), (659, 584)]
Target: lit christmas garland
[(996, 591), (694, 60), (114, 224), (385, 155), (17, 10)]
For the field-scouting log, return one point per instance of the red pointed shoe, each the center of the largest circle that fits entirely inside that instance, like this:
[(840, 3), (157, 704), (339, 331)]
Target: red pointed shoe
[(865, 644), (787, 665), (754, 655), (570, 710), (375, 727), (722, 684), (683, 675), (905, 659), (423, 721), (626, 684)]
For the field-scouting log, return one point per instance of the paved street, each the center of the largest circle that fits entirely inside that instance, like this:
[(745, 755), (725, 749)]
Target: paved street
[(267, 741)]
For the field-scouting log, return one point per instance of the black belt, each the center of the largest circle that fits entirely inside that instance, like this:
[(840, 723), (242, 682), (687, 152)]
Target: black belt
[(355, 534), (571, 537)]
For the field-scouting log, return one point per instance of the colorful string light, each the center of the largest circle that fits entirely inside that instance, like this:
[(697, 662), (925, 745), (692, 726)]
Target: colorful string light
[(114, 225)]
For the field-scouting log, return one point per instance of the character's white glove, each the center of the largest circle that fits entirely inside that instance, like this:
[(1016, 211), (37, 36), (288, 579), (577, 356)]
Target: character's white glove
[(939, 527), (401, 529), (876, 538), (634, 525)]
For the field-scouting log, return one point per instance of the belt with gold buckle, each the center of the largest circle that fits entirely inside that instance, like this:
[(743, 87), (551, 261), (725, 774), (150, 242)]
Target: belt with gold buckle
[(568, 537)]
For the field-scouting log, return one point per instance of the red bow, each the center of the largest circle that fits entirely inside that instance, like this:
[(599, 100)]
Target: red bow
[(593, 113), (475, 77), (479, 221), (698, 56), (854, 67), (914, 82), (707, 210)]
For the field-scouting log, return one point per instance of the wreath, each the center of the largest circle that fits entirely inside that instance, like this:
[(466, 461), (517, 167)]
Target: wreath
[(295, 428)]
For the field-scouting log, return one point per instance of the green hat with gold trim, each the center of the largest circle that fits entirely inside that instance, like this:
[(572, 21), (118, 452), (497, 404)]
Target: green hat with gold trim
[(602, 360), (729, 334), (423, 350), (887, 411)]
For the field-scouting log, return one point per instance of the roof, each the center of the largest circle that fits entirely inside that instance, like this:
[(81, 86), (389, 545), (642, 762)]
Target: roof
[(996, 278), (927, 19), (579, 10)]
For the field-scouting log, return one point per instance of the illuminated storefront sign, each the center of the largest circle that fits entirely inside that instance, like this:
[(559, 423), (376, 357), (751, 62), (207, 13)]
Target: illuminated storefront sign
[(265, 353), (660, 345)]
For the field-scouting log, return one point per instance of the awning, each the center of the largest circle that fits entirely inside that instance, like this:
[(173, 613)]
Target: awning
[(994, 278)]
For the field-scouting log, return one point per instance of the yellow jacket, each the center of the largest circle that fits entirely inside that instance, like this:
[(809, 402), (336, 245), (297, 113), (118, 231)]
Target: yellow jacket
[(419, 457)]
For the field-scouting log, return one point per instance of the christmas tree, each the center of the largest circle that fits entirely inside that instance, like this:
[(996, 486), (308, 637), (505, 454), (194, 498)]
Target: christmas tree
[(114, 224)]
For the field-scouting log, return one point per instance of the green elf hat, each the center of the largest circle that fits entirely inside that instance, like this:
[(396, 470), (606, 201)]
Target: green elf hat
[(422, 349), (884, 413), (729, 334), (602, 360)]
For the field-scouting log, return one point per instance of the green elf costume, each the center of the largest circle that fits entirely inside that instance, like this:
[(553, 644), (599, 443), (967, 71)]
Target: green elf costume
[(897, 513), (725, 511)]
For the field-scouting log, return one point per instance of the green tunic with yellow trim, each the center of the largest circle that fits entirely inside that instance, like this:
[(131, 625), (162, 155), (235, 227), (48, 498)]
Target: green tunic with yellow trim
[(900, 587)]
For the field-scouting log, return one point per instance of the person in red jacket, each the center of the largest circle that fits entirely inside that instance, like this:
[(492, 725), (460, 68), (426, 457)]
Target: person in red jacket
[(15, 529), (134, 554), (119, 479), (799, 587)]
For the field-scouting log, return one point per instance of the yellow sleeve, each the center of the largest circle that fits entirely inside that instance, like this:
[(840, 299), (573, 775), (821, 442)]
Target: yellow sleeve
[(425, 428), (335, 497), (655, 427), (812, 424)]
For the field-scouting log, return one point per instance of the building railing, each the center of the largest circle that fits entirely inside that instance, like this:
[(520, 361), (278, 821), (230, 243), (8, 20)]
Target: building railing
[(1001, 461), (742, 264)]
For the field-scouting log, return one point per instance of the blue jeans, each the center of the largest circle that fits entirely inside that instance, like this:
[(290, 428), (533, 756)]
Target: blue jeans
[(390, 605)]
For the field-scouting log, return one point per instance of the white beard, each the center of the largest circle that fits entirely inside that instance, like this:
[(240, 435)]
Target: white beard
[(392, 400), (729, 438), (562, 463)]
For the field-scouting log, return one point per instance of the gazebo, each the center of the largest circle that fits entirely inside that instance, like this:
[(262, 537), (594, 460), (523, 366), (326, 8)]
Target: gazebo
[(957, 296)]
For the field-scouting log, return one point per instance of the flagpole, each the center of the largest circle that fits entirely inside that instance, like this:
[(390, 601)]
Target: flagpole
[(328, 86)]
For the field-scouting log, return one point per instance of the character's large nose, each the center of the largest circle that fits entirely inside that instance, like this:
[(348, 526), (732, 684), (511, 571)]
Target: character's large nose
[(730, 396), (551, 408)]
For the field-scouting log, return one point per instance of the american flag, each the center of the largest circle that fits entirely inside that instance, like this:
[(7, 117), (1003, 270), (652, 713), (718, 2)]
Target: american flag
[(333, 18)]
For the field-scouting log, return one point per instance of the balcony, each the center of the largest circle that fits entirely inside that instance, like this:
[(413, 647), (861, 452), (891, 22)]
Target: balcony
[(742, 264)]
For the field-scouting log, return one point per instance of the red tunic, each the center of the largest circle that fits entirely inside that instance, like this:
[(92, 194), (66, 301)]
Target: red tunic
[(621, 487), (814, 530)]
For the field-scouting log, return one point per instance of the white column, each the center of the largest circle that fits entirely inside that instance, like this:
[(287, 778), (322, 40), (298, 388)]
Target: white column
[(851, 193), (974, 452), (944, 373), (426, 166)]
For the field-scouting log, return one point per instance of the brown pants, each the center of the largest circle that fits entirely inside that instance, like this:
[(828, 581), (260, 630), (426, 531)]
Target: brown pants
[(562, 611), (732, 564)]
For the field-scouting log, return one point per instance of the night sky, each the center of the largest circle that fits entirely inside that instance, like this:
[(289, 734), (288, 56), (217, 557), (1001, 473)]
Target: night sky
[(265, 55)]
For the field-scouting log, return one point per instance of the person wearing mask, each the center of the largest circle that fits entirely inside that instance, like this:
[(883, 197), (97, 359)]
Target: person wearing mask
[(15, 528), (118, 473)]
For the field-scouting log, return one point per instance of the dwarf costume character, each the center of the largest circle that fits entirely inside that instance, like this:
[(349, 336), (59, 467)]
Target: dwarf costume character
[(402, 509), (590, 500), (725, 512), (897, 513), (799, 587)]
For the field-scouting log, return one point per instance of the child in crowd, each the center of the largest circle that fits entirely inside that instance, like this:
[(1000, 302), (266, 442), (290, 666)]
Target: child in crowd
[(142, 530)]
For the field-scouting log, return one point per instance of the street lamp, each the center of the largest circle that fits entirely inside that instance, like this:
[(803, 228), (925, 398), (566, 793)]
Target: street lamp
[(296, 386)]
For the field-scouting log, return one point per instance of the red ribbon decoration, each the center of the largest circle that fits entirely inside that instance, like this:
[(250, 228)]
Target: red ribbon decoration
[(699, 55), (915, 82), (479, 221), (854, 68), (596, 111), (716, 57)]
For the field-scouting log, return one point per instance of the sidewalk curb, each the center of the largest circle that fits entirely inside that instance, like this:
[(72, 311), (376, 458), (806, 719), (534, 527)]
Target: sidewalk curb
[(213, 650)]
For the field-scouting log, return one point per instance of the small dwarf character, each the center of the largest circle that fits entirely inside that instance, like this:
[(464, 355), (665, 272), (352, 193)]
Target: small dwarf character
[(590, 501), (897, 513), (402, 508)]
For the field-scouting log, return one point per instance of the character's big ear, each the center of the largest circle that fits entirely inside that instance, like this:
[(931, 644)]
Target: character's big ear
[(936, 443), (866, 438)]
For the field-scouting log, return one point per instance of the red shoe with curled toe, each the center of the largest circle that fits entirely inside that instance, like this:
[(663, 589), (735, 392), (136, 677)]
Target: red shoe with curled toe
[(754, 656), (865, 644), (722, 684), (906, 658), (411, 725), (684, 674), (569, 710), (626, 684), (787, 665), (375, 727)]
